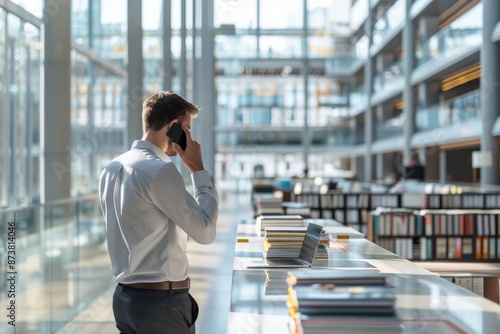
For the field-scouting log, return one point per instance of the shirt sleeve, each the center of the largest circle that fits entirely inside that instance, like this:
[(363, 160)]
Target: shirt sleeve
[(197, 215)]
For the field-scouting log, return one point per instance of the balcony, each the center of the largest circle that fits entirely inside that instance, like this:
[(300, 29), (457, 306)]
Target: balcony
[(390, 78), (459, 37), (358, 100), (391, 19), (391, 128), (280, 138), (462, 109)]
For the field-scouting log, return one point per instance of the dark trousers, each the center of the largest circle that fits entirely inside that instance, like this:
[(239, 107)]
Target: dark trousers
[(140, 311)]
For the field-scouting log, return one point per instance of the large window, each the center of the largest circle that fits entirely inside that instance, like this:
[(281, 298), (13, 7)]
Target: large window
[(19, 110)]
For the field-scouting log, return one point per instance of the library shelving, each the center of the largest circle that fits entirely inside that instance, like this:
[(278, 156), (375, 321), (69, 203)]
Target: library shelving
[(349, 208), (438, 234)]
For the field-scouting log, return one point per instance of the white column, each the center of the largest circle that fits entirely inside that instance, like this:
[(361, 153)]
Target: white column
[(490, 89), (205, 123), (135, 90), (55, 111)]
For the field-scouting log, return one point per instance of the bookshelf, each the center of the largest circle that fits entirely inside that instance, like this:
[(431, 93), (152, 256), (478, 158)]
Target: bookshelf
[(428, 235), (350, 208), (438, 234)]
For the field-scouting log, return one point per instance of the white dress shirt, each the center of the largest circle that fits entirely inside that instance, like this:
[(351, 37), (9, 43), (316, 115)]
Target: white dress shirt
[(149, 215)]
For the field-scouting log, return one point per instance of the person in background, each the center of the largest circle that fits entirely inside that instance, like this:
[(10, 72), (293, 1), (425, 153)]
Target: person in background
[(149, 217)]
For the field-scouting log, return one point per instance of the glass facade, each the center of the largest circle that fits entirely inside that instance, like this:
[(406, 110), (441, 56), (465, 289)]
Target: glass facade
[(261, 74), (289, 76), (61, 261), (19, 110)]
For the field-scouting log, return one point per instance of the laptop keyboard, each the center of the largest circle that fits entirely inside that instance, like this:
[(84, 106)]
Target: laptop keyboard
[(285, 262)]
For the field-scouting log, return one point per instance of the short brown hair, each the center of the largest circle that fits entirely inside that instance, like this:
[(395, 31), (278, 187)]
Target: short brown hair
[(160, 109)]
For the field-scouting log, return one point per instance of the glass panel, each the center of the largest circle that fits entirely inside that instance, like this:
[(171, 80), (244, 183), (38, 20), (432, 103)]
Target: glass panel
[(463, 33), (94, 277), (58, 270), (113, 12), (228, 47), (242, 14), (19, 115), (358, 13), (458, 110), (80, 14), (109, 27), (20, 89), (281, 14), (4, 121), (328, 14), (97, 119), (389, 20), (280, 47), (392, 76), (361, 48), (392, 127), (176, 17), (32, 124), (35, 7), (152, 14), (358, 97), (320, 47)]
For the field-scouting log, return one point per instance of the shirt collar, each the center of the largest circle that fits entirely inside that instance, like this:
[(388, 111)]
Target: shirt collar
[(147, 145)]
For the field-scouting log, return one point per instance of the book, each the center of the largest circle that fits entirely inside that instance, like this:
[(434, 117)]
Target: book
[(334, 276), (344, 299), (344, 324), (286, 242), (264, 221)]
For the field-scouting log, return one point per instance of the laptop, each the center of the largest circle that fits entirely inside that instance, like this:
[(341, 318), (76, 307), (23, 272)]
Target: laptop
[(306, 256)]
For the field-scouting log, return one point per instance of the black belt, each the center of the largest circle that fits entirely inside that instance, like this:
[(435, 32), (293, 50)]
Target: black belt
[(167, 285)]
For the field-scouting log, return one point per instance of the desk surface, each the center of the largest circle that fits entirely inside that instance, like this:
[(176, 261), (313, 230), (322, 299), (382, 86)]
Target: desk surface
[(425, 302)]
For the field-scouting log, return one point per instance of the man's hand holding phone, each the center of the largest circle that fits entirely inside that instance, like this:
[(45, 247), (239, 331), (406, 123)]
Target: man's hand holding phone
[(188, 150)]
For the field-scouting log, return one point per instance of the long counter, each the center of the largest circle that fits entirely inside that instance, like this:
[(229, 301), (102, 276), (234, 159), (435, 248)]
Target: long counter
[(425, 302)]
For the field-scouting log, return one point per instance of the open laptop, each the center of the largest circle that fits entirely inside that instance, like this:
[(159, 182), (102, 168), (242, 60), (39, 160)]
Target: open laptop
[(306, 256)]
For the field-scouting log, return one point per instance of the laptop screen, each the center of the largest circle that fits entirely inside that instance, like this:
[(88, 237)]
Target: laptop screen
[(311, 241)]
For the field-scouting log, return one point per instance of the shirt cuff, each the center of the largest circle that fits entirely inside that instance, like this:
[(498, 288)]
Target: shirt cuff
[(200, 179)]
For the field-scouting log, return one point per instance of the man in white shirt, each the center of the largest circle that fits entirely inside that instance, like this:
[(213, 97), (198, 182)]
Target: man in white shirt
[(149, 216)]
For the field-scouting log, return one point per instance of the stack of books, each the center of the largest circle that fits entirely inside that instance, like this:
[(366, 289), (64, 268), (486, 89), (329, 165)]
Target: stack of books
[(286, 242), (339, 301), (275, 283), (265, 221), (268, 204)]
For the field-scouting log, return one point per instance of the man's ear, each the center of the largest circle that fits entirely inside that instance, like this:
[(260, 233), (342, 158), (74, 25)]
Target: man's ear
[(169, 124)]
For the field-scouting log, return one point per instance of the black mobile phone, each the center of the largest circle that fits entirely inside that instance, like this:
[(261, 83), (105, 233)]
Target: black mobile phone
[(176, 133)]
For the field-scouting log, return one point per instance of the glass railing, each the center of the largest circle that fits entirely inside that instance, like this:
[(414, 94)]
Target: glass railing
[(333, 135), (54, 259), (358, 98), (359, 13), (390, 20), (390, 77), (459, 110), (248, 45), (390, 128), (461, 35), (358, 136), (362, 48)]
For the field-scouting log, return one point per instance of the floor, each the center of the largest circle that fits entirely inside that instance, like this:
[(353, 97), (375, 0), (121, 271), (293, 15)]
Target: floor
[(210, 272)]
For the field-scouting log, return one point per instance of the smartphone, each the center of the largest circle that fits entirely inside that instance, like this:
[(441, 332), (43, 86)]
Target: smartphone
[(176, 133)]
